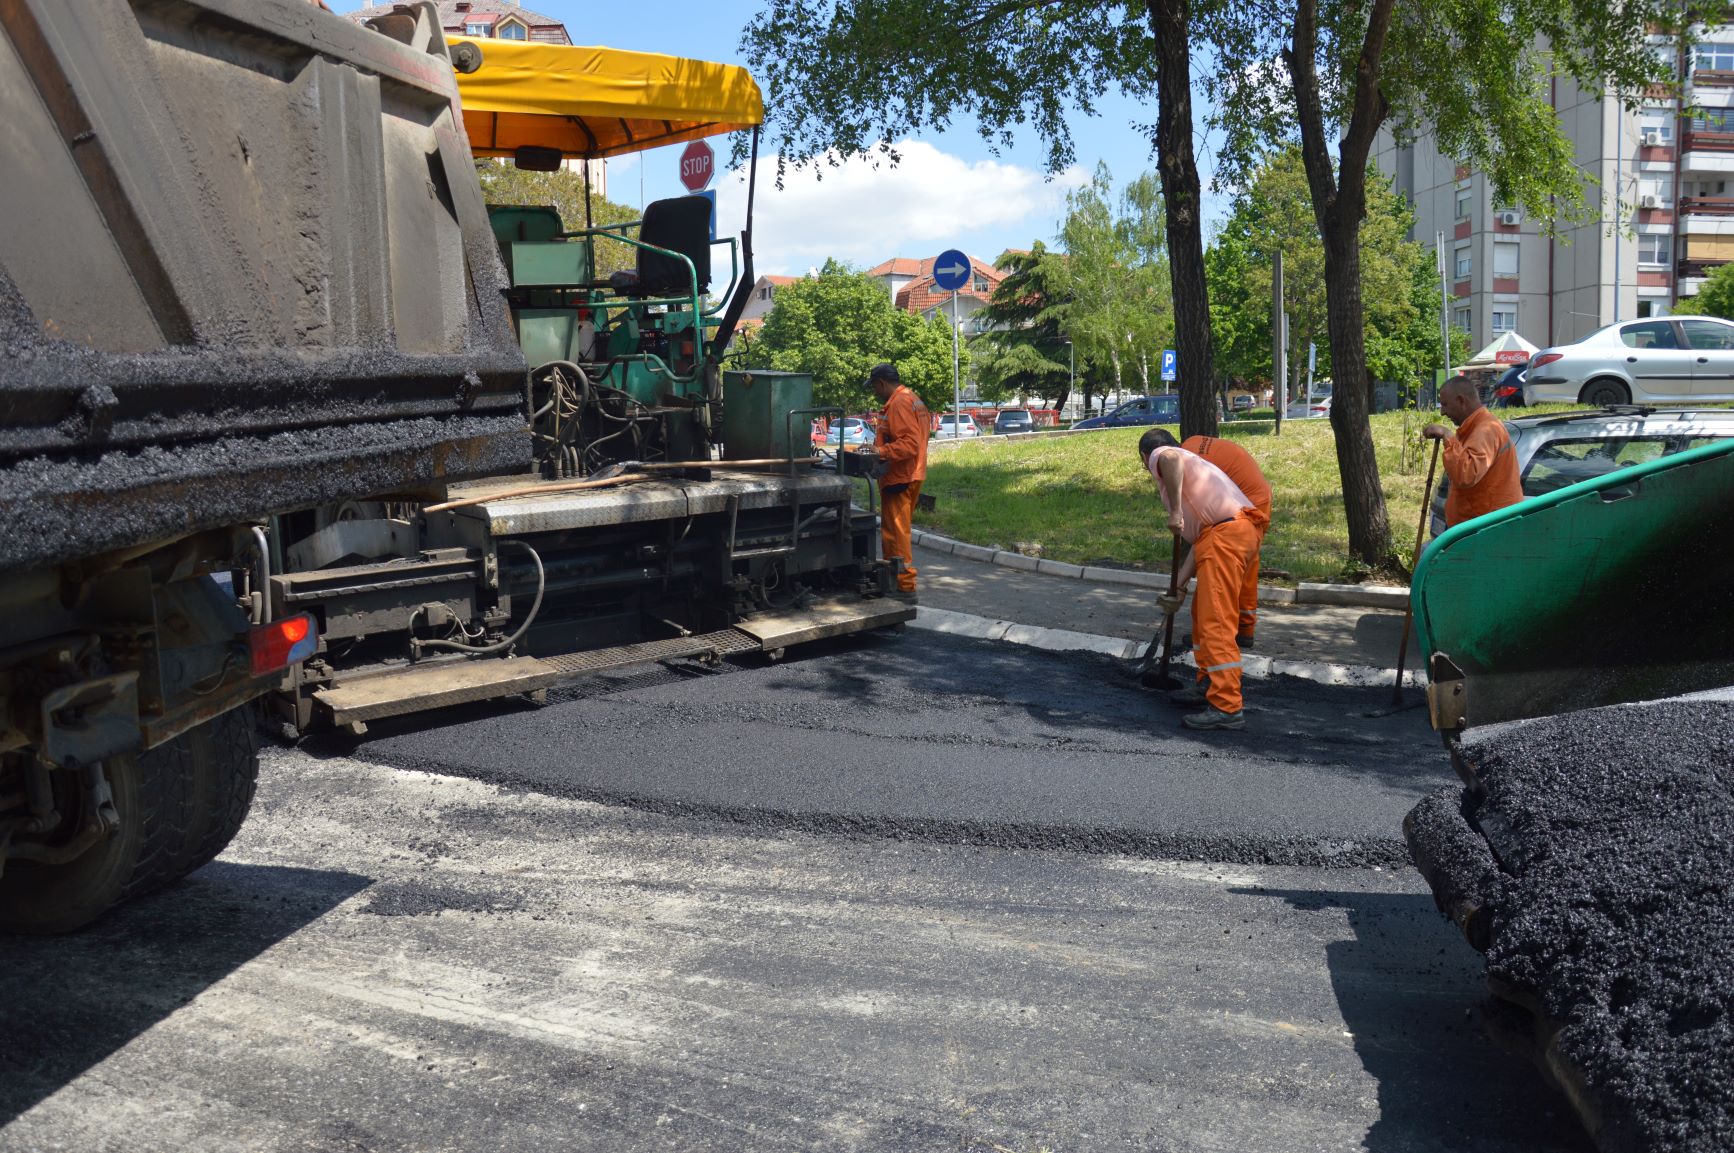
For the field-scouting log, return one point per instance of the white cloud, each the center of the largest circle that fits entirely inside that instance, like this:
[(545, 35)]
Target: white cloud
[(862, 214)]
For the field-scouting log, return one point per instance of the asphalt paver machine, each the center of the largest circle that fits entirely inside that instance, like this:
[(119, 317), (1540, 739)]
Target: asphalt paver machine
[(674, 510)]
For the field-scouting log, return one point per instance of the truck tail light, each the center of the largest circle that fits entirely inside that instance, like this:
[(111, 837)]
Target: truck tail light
[(1545, 358), (282, 643)]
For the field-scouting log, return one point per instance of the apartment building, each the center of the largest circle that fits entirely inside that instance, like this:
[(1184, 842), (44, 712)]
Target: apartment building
[(910, 283), (1662, 174)]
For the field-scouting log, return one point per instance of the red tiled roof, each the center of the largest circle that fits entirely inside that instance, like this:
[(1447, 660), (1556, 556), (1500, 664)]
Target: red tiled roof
[(921, 294), (902, 266), (780, 279)]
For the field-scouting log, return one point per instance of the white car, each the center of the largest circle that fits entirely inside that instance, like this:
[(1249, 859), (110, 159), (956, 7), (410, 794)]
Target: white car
[(957, 426), (1668, 358)]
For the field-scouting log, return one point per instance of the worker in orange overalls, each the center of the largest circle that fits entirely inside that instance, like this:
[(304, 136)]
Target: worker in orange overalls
[(1211, 514), (901, 447), (1479, 459)]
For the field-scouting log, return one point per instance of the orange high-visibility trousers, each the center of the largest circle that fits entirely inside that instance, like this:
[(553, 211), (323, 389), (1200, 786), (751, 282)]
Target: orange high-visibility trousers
[(897, 515), (1224, 551), (1260, 518)]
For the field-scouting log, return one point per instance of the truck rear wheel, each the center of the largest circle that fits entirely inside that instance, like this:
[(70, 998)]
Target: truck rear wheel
[(178, 804)]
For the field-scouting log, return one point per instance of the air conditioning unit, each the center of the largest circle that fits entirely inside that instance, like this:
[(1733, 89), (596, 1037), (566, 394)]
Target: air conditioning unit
[(1510, 217), (1649, 200), (1650, 137)]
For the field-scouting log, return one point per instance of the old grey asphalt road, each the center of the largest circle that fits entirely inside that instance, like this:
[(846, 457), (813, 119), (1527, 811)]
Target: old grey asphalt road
[(392, 958)]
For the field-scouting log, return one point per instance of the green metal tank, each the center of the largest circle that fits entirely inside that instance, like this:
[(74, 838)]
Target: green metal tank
[(756, 408)]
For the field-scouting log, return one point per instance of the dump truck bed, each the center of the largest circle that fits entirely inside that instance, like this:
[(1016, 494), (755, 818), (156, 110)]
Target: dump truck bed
[(244, 268)]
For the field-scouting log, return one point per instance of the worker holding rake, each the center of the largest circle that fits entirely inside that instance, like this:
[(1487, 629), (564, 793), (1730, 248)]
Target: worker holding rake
[(1211, 513)]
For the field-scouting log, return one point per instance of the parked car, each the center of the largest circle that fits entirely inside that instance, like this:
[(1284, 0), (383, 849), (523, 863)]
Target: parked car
[(852, 431), (1560, 450), (1164, 409), (1240, 402), (1013, 420), (957, 426), (1507, 389), (1676, 358), (1301, 410)]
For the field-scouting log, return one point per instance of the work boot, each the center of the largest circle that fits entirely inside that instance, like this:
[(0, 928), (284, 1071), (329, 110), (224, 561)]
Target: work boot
[(1192, 694), (1243, 641), (908, 598), (1213, 718)]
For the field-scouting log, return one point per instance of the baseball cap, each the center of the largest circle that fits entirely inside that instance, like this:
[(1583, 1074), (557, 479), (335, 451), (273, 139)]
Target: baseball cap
[(884, 372)]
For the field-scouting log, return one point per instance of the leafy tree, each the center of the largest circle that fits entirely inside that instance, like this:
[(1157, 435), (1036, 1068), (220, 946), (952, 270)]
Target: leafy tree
[(838, 81), (1716, 297), (1120, 306), (564, 192), (838, 325), (1024, 350), (1341, 70), (1274, 213)]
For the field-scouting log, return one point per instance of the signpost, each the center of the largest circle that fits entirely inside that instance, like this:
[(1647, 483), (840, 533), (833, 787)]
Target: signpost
[(697, 166), (951, 270)]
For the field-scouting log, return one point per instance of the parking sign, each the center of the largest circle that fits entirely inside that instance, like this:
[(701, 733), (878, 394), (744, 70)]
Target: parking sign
[(1170, 365)]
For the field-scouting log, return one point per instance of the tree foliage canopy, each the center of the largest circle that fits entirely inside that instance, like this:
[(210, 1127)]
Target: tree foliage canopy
[(1274, 213), (837, 326), (1024, 349), (1716, 296)]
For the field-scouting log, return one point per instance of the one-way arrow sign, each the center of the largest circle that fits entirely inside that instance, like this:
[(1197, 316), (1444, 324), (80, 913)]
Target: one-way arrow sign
[(950, 270)]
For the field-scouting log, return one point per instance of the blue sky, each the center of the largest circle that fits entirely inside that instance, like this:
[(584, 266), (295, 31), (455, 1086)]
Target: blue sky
[(951, 191)]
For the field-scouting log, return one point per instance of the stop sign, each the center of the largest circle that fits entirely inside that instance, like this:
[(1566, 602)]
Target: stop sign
[(697, 166)]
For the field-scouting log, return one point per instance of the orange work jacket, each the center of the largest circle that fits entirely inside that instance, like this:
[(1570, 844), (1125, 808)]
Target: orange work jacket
[(1241, 469), (903, 438), (1482, 466)]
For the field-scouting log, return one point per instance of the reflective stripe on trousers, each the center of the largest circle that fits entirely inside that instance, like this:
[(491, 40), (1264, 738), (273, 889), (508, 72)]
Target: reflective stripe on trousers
[(1224, 553)]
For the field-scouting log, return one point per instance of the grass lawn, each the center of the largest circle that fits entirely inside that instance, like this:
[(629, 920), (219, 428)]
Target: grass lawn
[(1085, 500)]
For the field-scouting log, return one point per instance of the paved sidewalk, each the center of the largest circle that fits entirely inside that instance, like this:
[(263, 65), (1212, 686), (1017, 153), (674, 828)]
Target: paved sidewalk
[(1322, 633)]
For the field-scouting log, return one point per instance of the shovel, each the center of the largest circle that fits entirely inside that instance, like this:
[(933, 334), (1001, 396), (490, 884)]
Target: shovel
[(1162, 678), (1409, 609)]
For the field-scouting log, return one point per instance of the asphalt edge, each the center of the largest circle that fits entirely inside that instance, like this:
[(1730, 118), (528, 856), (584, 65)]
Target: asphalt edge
[(1307, 593), (1065, 640)]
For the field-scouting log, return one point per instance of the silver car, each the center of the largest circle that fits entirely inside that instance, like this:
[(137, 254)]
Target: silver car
[(1674, 358), (1556, 451)]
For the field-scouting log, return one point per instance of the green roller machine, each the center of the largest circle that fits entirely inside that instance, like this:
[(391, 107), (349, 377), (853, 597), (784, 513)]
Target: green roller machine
[(1617, 589)]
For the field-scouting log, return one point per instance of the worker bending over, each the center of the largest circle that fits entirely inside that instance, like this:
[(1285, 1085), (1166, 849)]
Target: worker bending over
[(1249, 479), (1211, 514), (902, 452), (1479, 459)]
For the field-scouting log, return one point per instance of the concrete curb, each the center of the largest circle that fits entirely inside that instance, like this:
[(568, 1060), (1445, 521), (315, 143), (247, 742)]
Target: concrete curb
[(1065, 640), (1308, 593)]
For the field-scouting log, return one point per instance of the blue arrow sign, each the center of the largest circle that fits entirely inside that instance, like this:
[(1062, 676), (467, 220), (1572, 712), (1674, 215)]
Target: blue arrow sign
[(951, 270), (1170, 365)]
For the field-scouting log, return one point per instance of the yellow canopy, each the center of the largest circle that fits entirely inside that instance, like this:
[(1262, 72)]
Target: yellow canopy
[(595, 102)]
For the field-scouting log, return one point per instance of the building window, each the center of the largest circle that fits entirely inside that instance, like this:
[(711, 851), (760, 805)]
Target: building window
[(1655, 249), (1505, 259), (512, 30), (1713, 57), (1712, 120), (1460, 319), (981, 284), (475, 29), (1464, 196), (1463, 266), (1643, 309), (1504, 321), (1655, 191), (1655, 128)]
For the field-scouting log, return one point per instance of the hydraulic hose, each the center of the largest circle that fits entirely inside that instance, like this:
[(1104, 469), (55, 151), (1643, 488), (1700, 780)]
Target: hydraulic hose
[(506, 642)]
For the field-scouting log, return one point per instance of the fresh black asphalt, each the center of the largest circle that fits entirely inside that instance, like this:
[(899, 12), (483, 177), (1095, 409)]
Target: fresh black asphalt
[(924, 736), (1613, 911)]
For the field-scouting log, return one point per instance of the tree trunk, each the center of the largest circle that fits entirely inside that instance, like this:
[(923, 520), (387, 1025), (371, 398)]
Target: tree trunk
[(1339, 203), (1182, 201), (1114, 357), (1351, 407)]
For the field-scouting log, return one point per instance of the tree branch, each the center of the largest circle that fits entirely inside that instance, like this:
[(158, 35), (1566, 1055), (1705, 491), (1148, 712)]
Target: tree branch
[(1371, 106)]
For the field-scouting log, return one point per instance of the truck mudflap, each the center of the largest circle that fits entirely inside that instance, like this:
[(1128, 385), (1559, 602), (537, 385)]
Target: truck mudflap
[(1617, 589), (1591, 858), (444, 683)]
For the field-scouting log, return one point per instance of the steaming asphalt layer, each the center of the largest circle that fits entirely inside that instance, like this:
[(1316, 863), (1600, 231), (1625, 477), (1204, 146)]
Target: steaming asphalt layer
[(931, 737), (1614, 919)]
